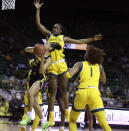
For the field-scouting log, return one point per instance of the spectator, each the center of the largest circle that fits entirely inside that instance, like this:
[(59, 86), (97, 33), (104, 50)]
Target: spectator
[(16, 107)]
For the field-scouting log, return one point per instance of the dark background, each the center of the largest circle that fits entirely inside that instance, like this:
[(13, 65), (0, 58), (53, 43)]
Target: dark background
[(98, 16), (82, 19)]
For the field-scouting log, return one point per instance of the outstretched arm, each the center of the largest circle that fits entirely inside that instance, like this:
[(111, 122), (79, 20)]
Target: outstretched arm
[(49, 47), (39, 25), (76, 68), (82, 41), (102, 74)]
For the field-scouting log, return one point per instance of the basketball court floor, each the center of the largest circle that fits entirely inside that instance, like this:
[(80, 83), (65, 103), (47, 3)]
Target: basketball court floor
[(8, 126), (12, 127)]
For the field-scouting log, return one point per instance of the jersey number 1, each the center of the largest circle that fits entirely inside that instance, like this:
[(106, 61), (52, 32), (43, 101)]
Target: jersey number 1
[(91, 73)]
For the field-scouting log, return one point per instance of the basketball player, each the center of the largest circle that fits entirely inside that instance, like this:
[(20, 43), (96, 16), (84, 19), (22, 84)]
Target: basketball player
[(37, 119), (88, 93), (32, 77), (36, 79), (58, 68)]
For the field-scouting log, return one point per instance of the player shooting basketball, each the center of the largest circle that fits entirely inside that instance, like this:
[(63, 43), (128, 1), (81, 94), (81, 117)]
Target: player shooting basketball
[(36, 79)]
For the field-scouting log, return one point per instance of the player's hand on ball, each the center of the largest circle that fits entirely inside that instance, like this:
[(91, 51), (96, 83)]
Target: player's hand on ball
[(39, 49)]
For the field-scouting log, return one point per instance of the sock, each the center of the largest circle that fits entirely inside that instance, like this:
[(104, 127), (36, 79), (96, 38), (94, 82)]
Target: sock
[(42, 120), (62, 127), (51, 113), (29, 113)]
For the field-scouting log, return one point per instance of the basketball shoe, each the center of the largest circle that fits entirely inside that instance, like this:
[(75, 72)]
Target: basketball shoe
[(45, 126), (26, 121)]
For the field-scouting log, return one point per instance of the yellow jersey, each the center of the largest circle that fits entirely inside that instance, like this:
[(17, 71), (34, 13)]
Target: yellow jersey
[(89, 75), (57, 55)]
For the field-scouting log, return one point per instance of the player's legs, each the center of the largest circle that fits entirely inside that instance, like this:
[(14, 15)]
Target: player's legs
[(38, 110), (50, 116), (48, 101), (94, 122), (101, 117), (31, 94), (23, 117), (63, 86), (34, 90), (62, 110), (37, 107), (53, 89), (37, 119), (79, 105), (96, 106), (90, 119), (25, 112), (32, 102), (23, 128), (73, 119), (26, 103), (35, 122)]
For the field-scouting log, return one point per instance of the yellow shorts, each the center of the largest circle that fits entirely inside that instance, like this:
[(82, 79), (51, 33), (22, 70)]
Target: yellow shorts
[(57, 68), (89, 96), (39, 99)]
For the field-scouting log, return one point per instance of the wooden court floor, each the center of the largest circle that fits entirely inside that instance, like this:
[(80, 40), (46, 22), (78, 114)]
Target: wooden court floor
[(5, 126), (11, 127)]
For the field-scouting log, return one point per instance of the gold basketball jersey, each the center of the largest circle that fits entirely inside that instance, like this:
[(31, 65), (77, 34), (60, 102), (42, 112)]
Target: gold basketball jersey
[(89, 76), (57, 55)]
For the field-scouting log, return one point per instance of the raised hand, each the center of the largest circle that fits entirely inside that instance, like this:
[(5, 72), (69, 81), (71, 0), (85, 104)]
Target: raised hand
[(37, 4), (98, 37)]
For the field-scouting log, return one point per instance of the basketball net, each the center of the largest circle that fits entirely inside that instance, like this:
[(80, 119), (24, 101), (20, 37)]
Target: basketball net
[(8, 4)]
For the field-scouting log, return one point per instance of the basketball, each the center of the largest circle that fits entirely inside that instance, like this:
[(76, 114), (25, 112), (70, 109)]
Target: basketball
[(39, 49)]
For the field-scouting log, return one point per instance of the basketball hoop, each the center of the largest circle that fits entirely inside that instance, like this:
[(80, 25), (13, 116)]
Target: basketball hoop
[(8, 4)]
